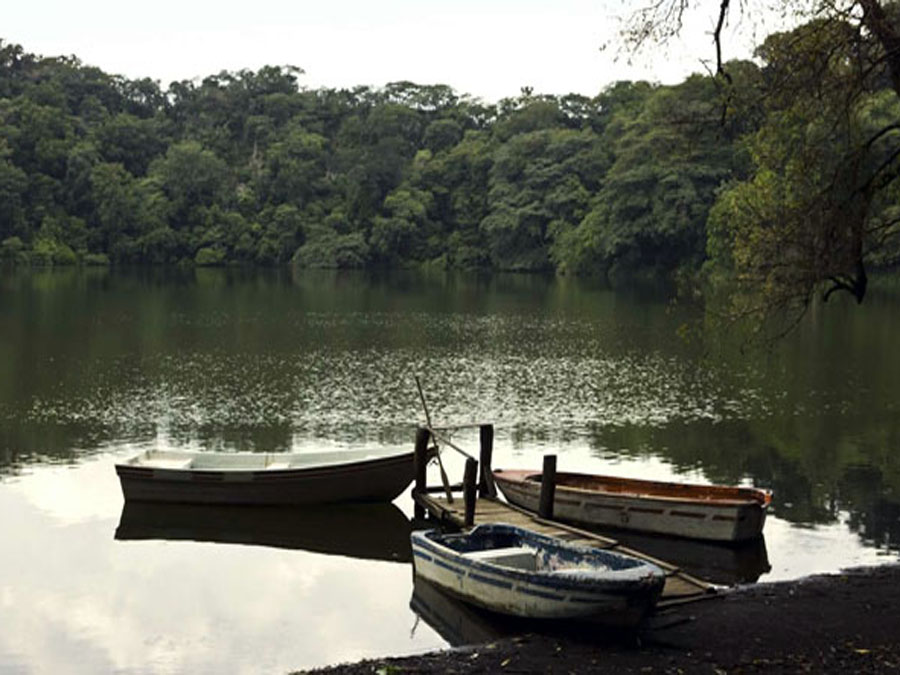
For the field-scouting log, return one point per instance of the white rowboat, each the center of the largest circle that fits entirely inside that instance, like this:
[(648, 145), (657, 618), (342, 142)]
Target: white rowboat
[(514, 571), (378, 475)]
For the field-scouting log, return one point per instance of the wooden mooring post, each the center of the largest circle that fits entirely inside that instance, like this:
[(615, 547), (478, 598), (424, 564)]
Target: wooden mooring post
[(421, 464), (486, 486), (470, 487), (548, 487)]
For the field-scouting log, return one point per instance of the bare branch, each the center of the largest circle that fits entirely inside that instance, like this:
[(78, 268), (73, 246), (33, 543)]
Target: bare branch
[(717, 35)]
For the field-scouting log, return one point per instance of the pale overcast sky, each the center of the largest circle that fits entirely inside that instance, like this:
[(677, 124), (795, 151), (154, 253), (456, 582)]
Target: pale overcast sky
[(486, 48)]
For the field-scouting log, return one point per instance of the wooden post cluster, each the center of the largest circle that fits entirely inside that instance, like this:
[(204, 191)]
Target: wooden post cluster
[(548, 487), (475, 482)]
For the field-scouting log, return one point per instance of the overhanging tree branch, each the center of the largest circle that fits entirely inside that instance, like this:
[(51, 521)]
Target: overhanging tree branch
[(879, 24)]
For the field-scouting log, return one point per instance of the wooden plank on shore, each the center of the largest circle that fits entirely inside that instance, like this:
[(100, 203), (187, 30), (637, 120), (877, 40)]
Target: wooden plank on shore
[(680, 587)]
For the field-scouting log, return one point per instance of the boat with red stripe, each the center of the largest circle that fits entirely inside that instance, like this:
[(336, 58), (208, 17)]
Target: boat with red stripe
[(709, 512)]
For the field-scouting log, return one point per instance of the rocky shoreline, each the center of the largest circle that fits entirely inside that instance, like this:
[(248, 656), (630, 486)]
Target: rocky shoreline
[(836, 623)]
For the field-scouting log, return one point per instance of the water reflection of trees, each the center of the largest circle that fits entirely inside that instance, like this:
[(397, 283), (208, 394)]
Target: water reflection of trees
[(813, 483), (874, 507), (234, 359), (24, 444)]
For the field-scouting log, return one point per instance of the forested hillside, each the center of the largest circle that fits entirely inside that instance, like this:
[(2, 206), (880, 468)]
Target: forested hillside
[(252, 168)]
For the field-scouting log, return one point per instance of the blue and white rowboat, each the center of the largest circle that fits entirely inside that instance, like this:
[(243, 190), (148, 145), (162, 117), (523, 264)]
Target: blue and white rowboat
[(515, 571)]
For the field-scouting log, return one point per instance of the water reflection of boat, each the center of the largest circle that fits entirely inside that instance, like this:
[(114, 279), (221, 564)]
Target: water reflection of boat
[(455, 621), (726, 564), (372, 531)]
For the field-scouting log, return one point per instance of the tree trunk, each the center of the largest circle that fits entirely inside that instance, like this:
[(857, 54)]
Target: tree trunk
[(876, 20)]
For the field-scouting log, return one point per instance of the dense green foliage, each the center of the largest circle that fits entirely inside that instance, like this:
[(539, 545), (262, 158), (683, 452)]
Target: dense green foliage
[(251, 168), (820, 207), (248, 167), (823, 202)]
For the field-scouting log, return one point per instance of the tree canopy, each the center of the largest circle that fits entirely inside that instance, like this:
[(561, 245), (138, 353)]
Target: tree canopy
[(820, 205), (779, 173)]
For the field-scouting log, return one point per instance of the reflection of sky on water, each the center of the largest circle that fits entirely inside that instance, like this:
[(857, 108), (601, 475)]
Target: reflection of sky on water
[(75, 600), (798, 551)]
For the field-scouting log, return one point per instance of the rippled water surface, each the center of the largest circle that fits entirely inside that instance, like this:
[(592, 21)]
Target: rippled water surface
[(98, 365)]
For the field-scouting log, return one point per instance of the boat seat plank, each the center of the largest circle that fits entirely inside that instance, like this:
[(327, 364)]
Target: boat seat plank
[(511, 556), (494, 552), (575, 539), (177, 464)]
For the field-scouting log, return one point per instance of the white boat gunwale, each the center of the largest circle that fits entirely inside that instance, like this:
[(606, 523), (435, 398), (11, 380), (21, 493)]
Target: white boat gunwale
[(182, 461), (648, 505), (550, 579)]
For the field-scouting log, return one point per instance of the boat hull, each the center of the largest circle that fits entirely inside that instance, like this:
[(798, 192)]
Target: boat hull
[(634, 506), (379, 479), (620, 603)]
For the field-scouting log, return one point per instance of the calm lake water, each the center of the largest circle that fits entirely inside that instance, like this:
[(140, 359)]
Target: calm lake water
[(97, 365)]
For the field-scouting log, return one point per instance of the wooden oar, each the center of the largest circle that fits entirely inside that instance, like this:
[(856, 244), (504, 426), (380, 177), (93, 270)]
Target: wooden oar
[(444, 479)]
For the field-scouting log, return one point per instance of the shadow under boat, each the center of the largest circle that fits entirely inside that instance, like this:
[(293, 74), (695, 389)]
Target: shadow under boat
[(726, 564), (372, 531)]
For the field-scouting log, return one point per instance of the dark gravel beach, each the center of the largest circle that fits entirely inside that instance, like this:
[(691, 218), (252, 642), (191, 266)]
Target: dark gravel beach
[(842, 623)]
